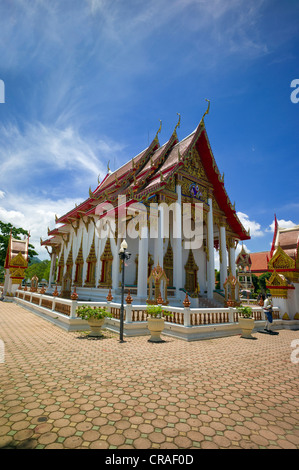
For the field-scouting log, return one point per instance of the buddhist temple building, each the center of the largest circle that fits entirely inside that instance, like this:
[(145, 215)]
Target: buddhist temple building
[(16, 262), (145, 202)]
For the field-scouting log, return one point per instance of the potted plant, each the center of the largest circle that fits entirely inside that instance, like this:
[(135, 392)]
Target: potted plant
[(95, 317), (246, 321), (155, 322)]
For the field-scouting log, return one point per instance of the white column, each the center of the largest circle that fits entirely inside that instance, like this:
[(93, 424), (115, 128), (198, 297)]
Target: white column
[(232, 260), (115, 265), (154, 230), (223, 263), (52, 267), (211, 263), (177, 244), (6, 281), (142, 263), (161, 236)]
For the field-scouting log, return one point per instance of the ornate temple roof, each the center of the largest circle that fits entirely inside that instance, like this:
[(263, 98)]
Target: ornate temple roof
[(150, 171)]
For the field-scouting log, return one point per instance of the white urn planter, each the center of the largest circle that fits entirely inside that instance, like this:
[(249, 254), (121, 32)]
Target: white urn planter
[(155, 326), (95, 316), (95, 325), (247, 325), (246, 321)]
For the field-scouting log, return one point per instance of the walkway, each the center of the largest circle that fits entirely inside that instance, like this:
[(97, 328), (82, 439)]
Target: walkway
[(65, 390)]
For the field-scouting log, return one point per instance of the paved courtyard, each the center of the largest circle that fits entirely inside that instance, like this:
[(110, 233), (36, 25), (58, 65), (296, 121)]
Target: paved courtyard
[(64, 390)]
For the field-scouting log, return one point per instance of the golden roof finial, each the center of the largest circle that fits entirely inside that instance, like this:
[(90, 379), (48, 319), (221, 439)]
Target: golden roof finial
[(159, 130), (178, 124), (207, 111), (108, 168)]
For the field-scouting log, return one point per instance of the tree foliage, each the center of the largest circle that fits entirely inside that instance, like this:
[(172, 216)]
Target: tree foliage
[(5, 230), (41, 270), (259, 283)]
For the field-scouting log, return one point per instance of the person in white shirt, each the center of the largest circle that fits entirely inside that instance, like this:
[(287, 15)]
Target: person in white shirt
[(268, 312)]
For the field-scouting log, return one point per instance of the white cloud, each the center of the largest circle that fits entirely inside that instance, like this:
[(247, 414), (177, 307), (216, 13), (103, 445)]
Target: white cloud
[(254, 227), (281, 223), (2, 194), (51, 159), (35, 216)]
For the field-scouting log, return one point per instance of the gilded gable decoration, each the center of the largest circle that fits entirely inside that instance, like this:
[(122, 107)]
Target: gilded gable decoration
[(278, 285), (281, 260), (18, 260)]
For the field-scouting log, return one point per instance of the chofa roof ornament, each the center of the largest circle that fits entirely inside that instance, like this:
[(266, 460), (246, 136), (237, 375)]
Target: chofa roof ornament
[(207, 111)]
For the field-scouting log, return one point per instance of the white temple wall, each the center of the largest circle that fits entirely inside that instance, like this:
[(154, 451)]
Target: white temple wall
[(130, 268), (99, 248)]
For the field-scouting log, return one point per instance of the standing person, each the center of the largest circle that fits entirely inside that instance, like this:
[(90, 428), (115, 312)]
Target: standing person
[(261, 299), (268, 312)]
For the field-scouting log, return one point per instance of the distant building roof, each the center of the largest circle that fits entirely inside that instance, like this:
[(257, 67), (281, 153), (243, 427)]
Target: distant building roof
[(259, 262)]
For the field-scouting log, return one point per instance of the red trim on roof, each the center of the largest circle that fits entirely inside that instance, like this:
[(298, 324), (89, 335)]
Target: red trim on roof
[(221, 196)]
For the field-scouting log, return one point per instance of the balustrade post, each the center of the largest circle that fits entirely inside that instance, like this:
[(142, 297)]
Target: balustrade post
[(74, 305), (187, 316), (128, 309), (231, 315)]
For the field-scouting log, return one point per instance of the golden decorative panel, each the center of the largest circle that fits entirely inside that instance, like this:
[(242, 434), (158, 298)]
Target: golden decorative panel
[(191, 269), (18, 260), (281, 260)]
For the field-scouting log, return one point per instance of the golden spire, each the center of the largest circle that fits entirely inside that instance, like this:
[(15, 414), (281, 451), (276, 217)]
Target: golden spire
[(178, 124), (207, 111), (158, 131)]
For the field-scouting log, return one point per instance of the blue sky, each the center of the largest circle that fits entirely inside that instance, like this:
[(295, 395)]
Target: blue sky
[(88, 81)]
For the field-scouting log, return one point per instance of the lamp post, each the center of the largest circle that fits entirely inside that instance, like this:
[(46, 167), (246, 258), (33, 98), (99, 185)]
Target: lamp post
[(123, 256)]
